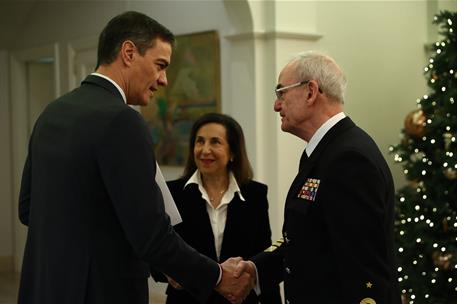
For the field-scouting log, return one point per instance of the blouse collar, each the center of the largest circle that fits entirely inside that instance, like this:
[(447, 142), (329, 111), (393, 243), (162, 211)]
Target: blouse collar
[(229, 194)]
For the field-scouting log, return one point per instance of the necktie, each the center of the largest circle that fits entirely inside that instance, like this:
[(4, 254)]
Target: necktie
[(304, 157)]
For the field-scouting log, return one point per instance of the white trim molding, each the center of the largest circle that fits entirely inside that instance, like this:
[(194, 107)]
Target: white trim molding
[(276, 34)]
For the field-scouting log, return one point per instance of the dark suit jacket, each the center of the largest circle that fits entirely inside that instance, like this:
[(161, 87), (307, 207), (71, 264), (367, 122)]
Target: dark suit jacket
[(247, 231), (94, 211), (338, 246)]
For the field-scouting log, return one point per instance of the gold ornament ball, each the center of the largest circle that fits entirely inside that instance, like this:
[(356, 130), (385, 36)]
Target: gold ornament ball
[(414, 123), (447, 137), (442, 261), (450, 173)]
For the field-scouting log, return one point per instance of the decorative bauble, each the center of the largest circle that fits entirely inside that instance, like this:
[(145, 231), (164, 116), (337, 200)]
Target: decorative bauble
[(450, 173), (416, 183), (415, 123), (447, 137), (445, 225), (415, 157), (442, 261)]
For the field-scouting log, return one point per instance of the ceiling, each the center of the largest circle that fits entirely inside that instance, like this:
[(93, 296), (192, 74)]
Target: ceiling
[(13, 14)]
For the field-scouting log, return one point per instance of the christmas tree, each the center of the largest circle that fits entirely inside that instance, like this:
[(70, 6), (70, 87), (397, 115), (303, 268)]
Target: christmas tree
[(426, 217)]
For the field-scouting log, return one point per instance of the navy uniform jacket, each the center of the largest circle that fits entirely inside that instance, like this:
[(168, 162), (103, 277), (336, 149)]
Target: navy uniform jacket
[(95, 215), (338, 226), (247, 231)]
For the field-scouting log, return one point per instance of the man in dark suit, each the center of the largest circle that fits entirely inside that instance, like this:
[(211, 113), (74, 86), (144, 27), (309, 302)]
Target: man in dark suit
[(337, 244), (94, 213)]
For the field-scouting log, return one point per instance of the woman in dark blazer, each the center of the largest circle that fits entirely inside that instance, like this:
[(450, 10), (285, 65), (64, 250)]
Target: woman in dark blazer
[(224, 212)]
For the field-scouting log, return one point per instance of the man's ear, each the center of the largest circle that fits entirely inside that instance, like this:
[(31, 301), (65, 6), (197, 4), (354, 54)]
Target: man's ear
[(311, 93), (313, 90), (127, 52)]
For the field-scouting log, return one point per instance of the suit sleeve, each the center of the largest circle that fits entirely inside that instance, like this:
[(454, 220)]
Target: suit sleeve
[(353, 198), (128, 168), (25, 192), (263, 236), (270, 266)]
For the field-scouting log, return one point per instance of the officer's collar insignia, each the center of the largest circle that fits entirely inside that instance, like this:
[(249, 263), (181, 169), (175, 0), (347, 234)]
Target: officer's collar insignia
[(309, 189)]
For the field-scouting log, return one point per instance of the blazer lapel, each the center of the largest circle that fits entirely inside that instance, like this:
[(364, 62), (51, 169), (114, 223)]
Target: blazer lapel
[(235, 214), (195, 208)]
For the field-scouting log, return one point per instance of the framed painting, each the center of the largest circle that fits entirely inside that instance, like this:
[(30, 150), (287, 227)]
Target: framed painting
[(193, 89)]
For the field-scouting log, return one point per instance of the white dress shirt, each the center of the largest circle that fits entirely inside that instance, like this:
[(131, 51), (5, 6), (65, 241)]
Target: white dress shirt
[(218, 215)]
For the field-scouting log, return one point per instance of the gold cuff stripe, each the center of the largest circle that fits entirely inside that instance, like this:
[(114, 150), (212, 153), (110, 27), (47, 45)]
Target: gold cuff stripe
[(275, 246)]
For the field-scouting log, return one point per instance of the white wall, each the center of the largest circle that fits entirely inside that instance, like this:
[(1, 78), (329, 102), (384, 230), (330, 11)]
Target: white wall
[(382, 52), (6, 208)]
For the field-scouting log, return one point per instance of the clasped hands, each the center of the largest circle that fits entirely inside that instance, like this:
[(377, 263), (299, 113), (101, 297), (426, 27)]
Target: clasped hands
[(238, 278)]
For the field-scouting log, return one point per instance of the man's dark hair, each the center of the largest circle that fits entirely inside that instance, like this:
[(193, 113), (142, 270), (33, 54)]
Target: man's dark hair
[(142, 30), (239, 165)]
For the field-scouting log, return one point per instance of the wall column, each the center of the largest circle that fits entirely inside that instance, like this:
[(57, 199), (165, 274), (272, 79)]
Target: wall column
[(268, 34)]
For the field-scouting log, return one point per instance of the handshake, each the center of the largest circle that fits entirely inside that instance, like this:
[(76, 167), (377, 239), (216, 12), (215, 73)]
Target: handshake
[(238, 278)]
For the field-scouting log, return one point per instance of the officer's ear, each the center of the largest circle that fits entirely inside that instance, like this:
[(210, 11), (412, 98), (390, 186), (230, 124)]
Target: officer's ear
[(313, 88), (312, 91)]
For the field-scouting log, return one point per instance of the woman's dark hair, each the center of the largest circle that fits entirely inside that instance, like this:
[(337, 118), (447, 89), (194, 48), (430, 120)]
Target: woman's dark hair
[(141, 29), (240, 165)]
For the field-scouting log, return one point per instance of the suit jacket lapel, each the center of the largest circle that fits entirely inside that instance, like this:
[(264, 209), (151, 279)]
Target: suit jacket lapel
[(341, 126), (307, 164)]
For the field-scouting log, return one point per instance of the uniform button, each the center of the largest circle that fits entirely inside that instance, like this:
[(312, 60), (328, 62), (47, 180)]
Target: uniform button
[(288, 270), (287, 302)]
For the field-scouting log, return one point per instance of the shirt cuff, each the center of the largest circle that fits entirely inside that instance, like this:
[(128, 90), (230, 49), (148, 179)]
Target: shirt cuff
[(257, 282), (220, 274)]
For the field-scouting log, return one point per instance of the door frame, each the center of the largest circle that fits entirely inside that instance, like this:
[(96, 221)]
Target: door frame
[(20, 126)]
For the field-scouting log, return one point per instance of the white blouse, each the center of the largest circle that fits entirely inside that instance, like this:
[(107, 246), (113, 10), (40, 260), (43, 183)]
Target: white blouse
[(218, 215)]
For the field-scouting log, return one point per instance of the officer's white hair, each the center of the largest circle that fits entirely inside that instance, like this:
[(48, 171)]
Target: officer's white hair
[(317, 66)]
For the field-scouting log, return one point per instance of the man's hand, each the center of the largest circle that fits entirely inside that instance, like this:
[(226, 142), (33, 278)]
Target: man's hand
[(246, 266), (236, 288)]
